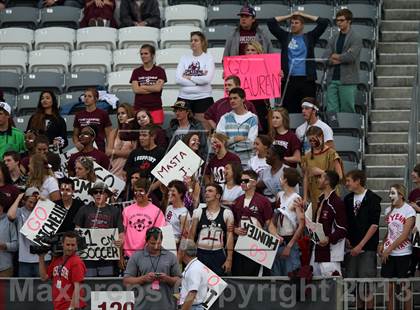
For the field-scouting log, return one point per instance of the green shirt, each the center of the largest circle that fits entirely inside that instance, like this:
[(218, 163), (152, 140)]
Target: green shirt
[(12, 139)]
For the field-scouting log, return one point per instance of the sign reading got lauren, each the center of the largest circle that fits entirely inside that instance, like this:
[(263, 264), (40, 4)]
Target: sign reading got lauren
[(258, 245), (43, 221), (259, 74), (179, 162)]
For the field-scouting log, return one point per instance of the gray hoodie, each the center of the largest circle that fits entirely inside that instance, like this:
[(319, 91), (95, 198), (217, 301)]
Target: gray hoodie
[(8, 235)]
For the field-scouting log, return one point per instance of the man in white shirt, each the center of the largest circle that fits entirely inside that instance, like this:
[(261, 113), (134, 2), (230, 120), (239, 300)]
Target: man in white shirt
[(194, 280), (310, 109)]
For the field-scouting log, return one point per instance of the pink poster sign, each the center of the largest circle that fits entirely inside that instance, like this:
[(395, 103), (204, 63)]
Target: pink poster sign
[(259, 74)]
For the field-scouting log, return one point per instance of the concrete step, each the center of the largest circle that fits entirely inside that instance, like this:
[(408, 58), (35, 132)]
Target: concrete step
[(392, 92), (389, 126), (401, 4), (394, 81), (386, 159), (399, 25), (391, 104), (399, 36), (389, 148), (389, 115), (402, 58), (397, 70), (383, 193), (402, 14), (382, 183), (385, 171), (387, 137)]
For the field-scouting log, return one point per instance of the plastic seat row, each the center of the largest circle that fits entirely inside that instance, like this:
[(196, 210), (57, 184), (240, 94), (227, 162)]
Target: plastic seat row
[(62, 61), (95, 37)]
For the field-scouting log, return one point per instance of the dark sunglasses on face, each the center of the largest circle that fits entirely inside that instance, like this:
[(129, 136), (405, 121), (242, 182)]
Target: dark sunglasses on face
[(246, 181), (98, 192)]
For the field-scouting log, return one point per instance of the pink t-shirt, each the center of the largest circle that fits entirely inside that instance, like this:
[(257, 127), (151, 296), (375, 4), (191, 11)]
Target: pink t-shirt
[(136, 221)]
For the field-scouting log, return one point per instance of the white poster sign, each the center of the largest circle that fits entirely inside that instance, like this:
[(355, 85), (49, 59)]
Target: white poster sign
[(81, 189), (112, 300), (258, 245), (316, 231), (179, 162), (44, 221), (168, 239), (114, 183), (216, 285), (416, 234), (100, 244)]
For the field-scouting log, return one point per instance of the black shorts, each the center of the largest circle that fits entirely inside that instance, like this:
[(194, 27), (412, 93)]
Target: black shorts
[(199, 105), (396, 267)]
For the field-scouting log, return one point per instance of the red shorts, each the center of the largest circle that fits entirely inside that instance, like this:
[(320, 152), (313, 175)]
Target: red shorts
[(158, 116)]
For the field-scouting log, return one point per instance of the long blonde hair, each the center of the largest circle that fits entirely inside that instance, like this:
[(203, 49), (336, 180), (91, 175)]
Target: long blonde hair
[(88, 164), (40, 170)]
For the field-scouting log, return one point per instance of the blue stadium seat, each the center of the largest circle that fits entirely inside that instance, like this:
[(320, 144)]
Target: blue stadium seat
[(60, 16), (27, 17), (349, 148), (296, 119), (21, 121), (10, 81), (125, 96), (316, 9), (70, 97), (43, 80), (345, 124), (26, 103), (82, 80), (10, 98), (267, 11), (217, 35), (222, 14)]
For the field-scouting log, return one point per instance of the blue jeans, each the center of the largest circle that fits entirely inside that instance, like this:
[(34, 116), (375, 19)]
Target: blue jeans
[(28, 270), (197, 307), (283, 265)]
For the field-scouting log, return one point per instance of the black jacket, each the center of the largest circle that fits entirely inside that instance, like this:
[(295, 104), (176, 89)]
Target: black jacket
[(310, 39), (149, 12), (368, 214)]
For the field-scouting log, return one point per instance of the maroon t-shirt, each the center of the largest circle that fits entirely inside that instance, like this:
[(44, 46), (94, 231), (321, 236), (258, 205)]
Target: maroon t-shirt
[(290, 142), (259, 207), (151, 101), (221, 107), (100, 158), (246, 36), (11, 192), (216, 167), (414, 196), (98, 120)]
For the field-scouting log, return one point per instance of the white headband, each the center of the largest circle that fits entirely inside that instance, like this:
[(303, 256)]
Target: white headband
[(307, 104)]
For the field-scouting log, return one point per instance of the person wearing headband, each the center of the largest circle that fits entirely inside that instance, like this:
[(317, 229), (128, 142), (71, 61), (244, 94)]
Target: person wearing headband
[(11, 138), (310, 110)]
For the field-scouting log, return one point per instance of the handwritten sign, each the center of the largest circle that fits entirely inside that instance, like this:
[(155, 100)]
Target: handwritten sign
[(112, 300), (416, 235), (179, 162), (316, 230), (116, 184), (44, 221), (168, 239), (100, 244), (258, 245), (216, 285), (259, 74), (81, 189), (64, 158)]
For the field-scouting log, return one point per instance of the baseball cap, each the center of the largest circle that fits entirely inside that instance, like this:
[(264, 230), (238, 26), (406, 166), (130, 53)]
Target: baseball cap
[(99, 186), (247, 10), (5, 106), (181, 105), (30, 191)]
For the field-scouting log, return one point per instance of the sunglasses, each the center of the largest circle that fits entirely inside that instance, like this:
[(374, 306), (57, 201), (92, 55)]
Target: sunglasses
[(246, 181), (98, 192)]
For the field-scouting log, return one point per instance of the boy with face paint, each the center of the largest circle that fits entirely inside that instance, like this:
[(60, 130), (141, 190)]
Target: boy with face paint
[(396, 249), (253, 208)]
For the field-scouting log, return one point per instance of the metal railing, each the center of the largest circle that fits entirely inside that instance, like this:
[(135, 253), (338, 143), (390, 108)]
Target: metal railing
[(413, 129)]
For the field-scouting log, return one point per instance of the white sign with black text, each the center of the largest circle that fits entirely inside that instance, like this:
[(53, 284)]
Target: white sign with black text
[(100, 244), (112, 300)]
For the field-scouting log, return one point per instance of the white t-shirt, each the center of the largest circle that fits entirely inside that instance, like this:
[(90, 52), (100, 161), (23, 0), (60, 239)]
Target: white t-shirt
[(257, 164), (395, 221), (211, 238), (173, 217), (289, 224), (49, 186), (302, 129), (232, 194), (194, 278), (357, 201), (201, 70)]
